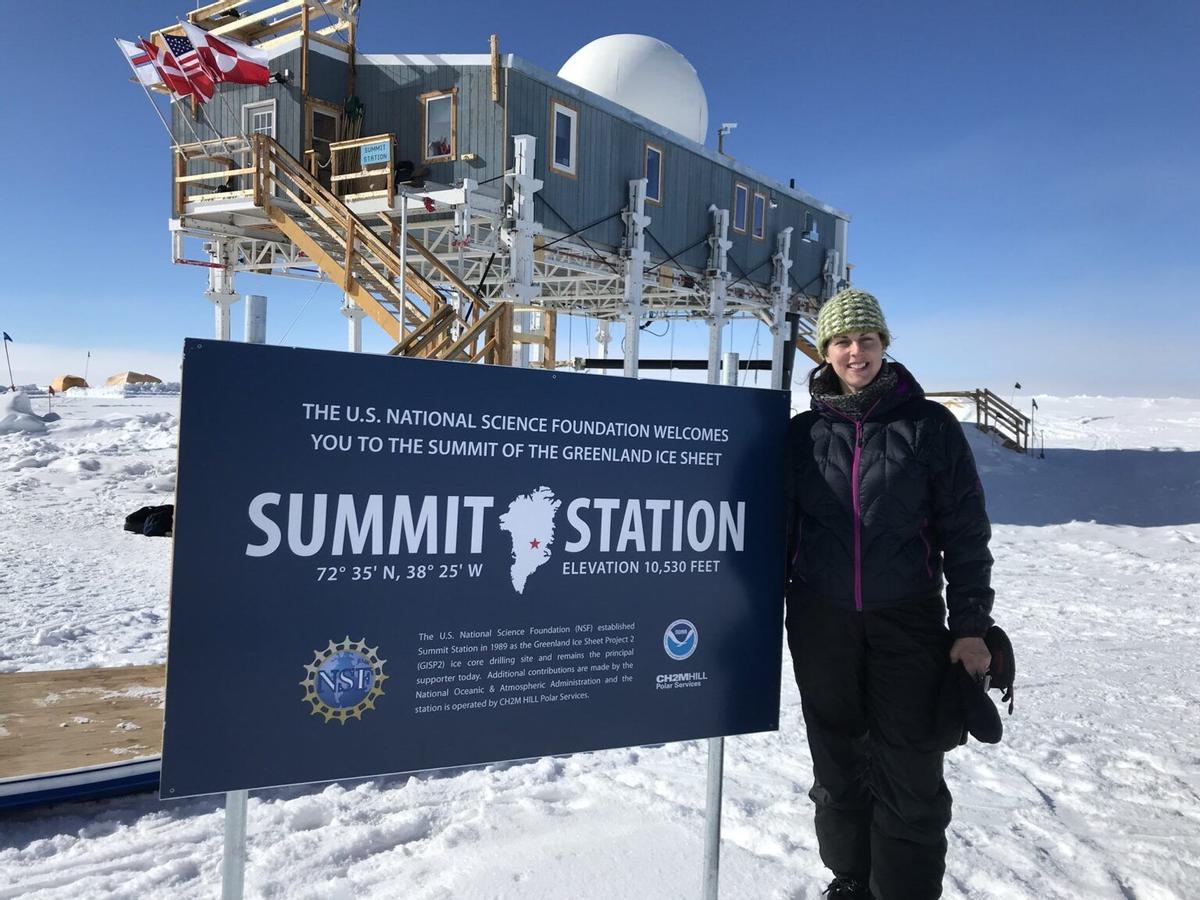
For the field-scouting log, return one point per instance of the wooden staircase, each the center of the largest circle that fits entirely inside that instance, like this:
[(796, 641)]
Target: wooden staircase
[(993, 415), (421, 319), (806, 336)]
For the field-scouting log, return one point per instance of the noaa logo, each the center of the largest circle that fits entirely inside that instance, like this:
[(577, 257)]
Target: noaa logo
[(344, 680), (680, 639)]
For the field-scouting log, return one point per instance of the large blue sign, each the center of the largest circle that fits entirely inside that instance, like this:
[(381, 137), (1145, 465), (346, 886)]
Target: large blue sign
[(386, 565)]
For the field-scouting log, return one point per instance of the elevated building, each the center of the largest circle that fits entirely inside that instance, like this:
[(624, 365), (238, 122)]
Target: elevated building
[(461, 201)]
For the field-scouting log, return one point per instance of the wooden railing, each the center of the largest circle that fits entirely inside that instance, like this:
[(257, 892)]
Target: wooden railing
[(996, 415), (370, 266), (211, 170), (352, 179)]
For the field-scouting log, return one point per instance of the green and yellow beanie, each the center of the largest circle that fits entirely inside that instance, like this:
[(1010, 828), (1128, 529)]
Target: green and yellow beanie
[(848, 311)]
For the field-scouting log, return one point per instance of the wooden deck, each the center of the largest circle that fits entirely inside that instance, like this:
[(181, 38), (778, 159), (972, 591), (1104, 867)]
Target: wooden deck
[(67, 719)]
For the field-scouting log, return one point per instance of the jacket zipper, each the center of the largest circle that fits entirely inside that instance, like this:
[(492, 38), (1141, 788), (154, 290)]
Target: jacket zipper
[(854, 498), (858, 442)]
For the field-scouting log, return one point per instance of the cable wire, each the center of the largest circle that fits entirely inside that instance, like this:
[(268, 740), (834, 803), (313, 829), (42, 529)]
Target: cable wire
[(320, 285)]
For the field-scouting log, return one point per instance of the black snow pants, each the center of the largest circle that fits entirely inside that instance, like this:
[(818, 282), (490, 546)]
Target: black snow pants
[(869, 685)]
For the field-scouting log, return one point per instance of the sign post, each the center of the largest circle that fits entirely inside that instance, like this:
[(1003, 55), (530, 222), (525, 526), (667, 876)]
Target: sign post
[(233, 863), (416, 564), (716, 745)]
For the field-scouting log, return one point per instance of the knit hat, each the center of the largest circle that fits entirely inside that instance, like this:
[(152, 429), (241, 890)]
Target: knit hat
[(847, 311)]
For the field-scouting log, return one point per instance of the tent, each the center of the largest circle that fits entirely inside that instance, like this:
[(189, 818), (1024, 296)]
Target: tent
[(132, 378), (63, 382)]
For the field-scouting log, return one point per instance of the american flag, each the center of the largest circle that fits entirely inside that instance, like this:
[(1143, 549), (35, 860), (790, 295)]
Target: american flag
[(193, 67), (168, 69)]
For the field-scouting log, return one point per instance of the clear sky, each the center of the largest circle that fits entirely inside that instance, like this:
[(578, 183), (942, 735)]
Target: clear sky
[(1022, 177)]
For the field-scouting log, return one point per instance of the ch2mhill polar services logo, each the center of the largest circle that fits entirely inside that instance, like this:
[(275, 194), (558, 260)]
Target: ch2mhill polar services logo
[(680, 641), (344, 680)]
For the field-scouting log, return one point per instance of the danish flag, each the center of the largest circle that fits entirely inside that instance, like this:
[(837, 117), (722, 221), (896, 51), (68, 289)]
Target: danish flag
[(170, 72), (192, 65), (228, 60)]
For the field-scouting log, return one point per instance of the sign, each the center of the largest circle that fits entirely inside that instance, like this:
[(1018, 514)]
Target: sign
[(378, 152), (386, 565)]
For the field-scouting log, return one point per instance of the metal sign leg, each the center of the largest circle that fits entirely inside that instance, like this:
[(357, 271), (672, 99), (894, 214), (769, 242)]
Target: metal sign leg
[(233, 869), (712, 816)]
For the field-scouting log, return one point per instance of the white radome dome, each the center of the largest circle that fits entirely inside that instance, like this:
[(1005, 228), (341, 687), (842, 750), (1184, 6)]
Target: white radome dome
[(645, 75)]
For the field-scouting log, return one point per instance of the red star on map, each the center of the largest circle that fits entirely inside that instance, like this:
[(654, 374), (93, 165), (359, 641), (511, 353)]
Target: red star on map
[(535, 543)]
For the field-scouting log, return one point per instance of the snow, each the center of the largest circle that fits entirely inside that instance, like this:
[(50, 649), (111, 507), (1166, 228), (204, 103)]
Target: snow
[(1095, 791), (16, 414)]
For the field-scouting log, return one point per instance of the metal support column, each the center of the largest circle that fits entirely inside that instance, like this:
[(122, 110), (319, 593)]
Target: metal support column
[(634, 253), (403, 248), (517, 234), (718, 282), (712, 811), (233, 865), (730, 364), (780, 293), (354, 315), (220, 291), (256, 319), (602, 339)]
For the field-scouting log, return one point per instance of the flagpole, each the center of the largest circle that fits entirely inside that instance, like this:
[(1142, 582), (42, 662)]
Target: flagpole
[(203, 111), (146, 91), (87, 364), (208, 119), (199, 142), (178, 65), (12, 383), (233, 115)]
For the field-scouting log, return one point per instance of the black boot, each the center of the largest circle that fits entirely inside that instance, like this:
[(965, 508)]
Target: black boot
[(844, 888)]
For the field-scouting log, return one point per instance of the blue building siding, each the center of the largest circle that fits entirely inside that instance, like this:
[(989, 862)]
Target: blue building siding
[(611, 145), (391, 94)]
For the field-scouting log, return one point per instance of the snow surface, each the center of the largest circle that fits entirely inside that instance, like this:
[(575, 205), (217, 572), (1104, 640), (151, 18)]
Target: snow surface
[(1095, 792)]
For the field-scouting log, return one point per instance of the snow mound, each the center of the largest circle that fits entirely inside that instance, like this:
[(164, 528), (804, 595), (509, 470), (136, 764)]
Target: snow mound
[(16, 414)]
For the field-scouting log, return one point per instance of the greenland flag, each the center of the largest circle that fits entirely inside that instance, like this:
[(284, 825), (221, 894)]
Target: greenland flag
[(227, 59)]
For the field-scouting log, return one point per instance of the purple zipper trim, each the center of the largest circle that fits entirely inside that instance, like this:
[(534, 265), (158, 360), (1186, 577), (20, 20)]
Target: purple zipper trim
[(854, 499), (857, 515), (928, 549)]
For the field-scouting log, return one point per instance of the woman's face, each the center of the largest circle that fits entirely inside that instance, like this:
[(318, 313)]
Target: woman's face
[(856, 358)]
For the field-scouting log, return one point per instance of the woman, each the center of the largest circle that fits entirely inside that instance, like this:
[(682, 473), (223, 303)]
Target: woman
[(884, 500)]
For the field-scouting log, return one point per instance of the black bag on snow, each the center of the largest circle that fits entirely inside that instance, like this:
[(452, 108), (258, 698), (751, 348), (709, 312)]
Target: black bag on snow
[(160, 523), (153, 521)]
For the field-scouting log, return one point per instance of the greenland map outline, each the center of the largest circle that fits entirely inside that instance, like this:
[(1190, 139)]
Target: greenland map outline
[(530, 525)]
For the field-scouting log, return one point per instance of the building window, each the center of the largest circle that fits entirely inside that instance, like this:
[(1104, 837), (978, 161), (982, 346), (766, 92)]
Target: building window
[(564, 130), (810, 228), (759, 230), (259, 118), (440, 126), (741, 201), (653, 173)]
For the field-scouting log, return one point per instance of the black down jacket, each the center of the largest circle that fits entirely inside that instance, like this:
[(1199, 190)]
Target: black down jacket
[(881, 507)]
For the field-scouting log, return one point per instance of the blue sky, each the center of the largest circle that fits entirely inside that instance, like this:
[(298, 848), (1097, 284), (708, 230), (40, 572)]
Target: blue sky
[(1022, 177)]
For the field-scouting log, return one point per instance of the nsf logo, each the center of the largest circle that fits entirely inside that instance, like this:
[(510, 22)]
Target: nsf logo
[(680, 639), (344, 680)]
